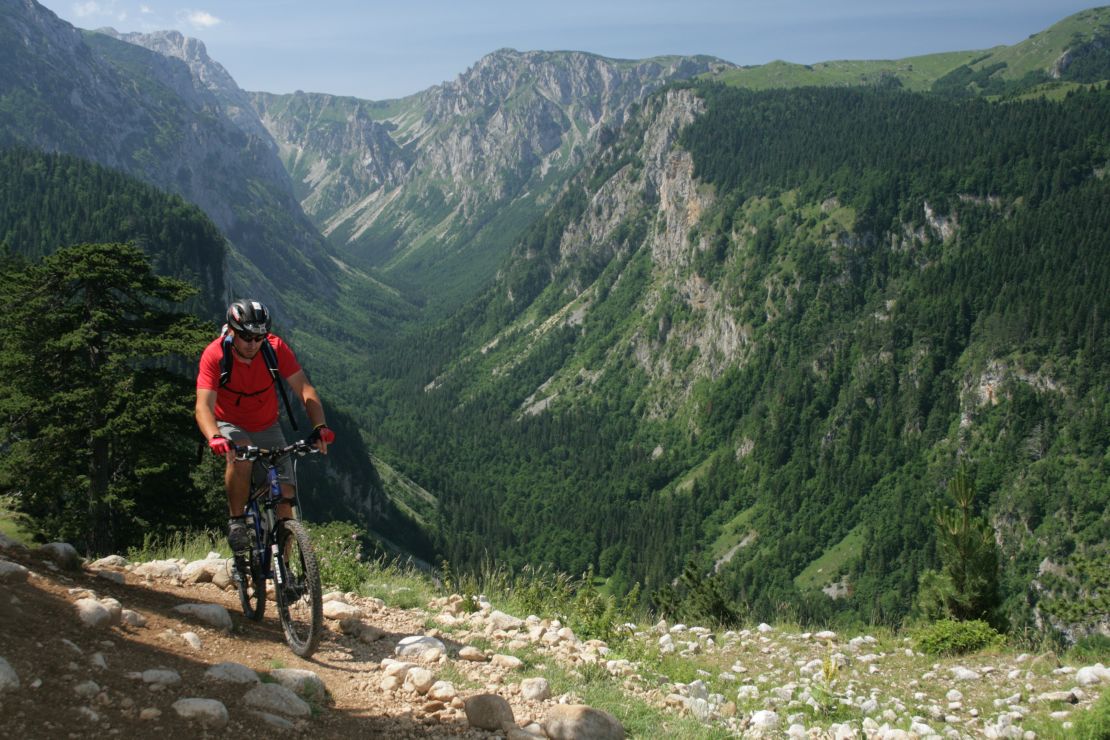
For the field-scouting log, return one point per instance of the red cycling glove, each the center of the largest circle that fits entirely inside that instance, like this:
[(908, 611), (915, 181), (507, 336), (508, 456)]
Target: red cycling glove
[(219, 445), (322, 433)]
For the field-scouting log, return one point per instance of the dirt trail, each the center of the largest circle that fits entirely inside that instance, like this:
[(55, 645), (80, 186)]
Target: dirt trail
[(38, 615)]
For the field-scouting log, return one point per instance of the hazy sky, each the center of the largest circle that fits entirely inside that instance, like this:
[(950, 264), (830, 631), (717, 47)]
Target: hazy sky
[(378, 50)]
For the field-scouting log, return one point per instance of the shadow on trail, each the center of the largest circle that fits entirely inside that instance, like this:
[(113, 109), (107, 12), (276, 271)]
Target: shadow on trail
[(81, 681)]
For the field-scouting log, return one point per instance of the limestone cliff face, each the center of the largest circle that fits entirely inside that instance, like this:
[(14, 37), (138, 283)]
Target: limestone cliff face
[(432, 169)]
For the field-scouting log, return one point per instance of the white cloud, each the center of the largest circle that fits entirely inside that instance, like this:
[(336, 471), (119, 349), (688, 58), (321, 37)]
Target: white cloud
[(84, 10), (201, 18)]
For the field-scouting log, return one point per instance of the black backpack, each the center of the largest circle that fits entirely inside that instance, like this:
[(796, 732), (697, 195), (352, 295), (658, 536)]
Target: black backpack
[(227, 363)]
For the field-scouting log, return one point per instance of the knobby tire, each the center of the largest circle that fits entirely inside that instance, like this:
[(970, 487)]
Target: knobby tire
[(252, 585), (298, 595)]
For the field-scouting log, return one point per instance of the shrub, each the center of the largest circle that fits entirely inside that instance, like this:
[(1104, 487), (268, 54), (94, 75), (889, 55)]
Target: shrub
[(1093, 724), (952, 637), (339, 555)]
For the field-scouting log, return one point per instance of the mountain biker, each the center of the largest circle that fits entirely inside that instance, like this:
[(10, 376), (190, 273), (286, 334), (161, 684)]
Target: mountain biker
[(243, 408)]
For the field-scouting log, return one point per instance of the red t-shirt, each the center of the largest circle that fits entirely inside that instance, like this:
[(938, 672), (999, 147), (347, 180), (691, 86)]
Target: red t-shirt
[(249, 400)]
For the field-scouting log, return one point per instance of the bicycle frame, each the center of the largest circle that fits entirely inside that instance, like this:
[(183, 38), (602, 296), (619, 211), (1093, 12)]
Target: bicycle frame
[(261, 505)]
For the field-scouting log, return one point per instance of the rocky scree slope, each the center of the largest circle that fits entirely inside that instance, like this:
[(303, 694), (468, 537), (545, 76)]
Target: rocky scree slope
[(114, 647), (428, 174)]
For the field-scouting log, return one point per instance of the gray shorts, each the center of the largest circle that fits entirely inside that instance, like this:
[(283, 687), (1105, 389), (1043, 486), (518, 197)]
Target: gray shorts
[(267, 439)]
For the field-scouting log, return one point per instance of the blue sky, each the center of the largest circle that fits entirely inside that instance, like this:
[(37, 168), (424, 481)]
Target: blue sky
[(378, 50)]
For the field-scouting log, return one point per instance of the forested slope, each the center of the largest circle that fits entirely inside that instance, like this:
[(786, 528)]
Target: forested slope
[(874, 286)]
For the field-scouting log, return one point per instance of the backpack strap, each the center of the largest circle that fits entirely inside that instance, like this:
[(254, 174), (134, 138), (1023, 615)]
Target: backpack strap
[(272, 365)]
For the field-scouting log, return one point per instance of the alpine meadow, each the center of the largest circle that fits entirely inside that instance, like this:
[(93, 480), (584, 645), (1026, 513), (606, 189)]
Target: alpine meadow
[(826, 344)]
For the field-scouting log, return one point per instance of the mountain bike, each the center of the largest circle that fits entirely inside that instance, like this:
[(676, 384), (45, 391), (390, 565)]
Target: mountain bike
[(281, 552)]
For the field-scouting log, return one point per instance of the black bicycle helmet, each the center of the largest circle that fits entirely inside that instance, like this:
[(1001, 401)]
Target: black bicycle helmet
[(248, 316)]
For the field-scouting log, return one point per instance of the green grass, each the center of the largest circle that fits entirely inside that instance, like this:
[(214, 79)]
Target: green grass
[(186, 545), (10, 525), (827, 568)]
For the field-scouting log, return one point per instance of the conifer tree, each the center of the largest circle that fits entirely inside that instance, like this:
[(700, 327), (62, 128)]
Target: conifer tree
[(96, 430)]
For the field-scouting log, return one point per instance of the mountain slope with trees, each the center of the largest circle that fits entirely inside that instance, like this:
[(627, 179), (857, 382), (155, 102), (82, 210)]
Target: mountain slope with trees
[(783, 354)]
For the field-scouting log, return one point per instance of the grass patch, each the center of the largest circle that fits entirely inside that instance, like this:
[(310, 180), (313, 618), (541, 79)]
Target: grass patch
[(186, 545), (10, 525)]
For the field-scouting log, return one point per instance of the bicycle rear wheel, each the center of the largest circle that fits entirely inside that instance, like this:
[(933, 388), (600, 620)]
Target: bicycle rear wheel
[(251, 582), (297, 590)]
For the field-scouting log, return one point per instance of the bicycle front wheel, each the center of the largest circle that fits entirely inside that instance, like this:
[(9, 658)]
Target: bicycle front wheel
[(297, 589)]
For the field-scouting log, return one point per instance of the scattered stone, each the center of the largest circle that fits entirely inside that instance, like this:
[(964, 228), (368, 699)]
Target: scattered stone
[(92, 613), (9, 680), (502, 621), (1092, 675), (442, 691), (964, 674), (341, 610), (304, 683), (132, 618), (489, 712), (535, 689), (508, 662), (193, 640), (158, 676), (168, 569), (208, 712), (278, 723), (211, 614), (578, 721), (12, 572), (419, 680), (150, 713), (87, 689), (111, 575), (115, 610), (111, 561), (63, 554), (417, 646), (472, 654), (229, 672), (272, 697)]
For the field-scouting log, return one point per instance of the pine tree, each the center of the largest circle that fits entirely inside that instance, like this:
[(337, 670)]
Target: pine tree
[(97, 430)]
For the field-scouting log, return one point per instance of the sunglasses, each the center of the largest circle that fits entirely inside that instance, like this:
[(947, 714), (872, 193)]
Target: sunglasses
[(251, 338)]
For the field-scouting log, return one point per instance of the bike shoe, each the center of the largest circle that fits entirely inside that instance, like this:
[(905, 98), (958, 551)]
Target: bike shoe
[(238, 536)]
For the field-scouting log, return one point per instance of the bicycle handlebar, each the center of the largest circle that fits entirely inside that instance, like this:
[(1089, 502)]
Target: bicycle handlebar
[(300, 448)]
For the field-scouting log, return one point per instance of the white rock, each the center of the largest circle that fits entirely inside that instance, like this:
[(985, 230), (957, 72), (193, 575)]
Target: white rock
[(1092, 675), (111, 575), (535, 689), (272, 697), (211, 614), (193, 640), (92, 613), (416, 646), (419, 680), (502, 621), (111, 561), (208, 712), (229, 672), (508, 662), (87, 689), (159, 676), (132, 618), (764, 720), (964, 674), (825, 636), (442, 691), (169, 569), (341, 610), (764, 628), (303, 683)]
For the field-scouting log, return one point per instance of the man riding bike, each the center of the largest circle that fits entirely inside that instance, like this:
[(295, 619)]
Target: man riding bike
[(237, 405)]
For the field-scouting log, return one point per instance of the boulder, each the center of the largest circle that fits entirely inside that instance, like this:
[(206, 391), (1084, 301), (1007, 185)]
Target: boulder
[(417, 645), (229, 672), (489, 712), (578, 722), (63, 554), (207, 712), (92, 613), (213, 615), (303, 683), (12, 572), (272, 697), (535, 689)]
